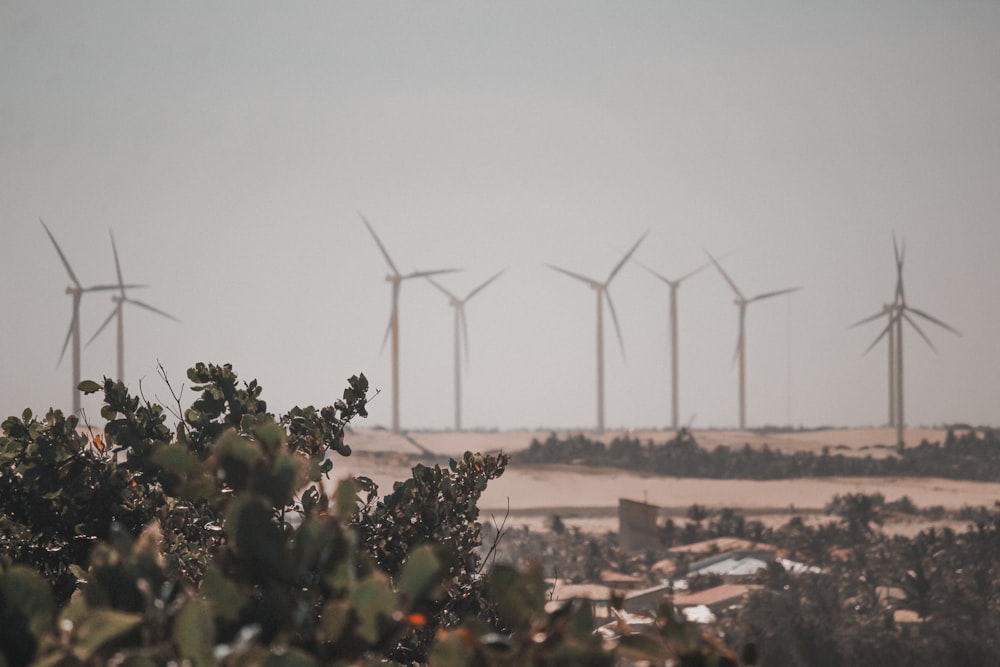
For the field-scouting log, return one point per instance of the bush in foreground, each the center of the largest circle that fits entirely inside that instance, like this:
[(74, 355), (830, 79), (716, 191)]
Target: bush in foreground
[(217, 542)]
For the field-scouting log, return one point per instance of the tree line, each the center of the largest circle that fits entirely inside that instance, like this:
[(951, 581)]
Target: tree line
[(971, 455)]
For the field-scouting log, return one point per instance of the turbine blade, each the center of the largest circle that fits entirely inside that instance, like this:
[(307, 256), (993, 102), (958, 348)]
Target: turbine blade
[(69, 334), (111, 316), (118, 266), (444, 291), (898, 252), (920, 331), (624, 259), (725, 275), (385, 253), (482, 286), (593, 283), (385, 338), (868, 319), (887, 329), (105, 288), (69, 269), (654, 273), (424, 274), (465, 332), (691, 273), (614, 318), (151, 308), (740, 335), (930, 318), (768, 295), (392, 314)]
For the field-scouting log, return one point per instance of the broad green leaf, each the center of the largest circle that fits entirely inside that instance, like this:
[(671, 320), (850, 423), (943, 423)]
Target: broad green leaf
[(26, 593), (100, 627), (342, 570), (270, 436), (89, 387), (346, 498), (519, 596), (333, 621), (373, 601), (420, 573), (227, 597), (177, 459), (251, 529), (194, 633), (281, 483)]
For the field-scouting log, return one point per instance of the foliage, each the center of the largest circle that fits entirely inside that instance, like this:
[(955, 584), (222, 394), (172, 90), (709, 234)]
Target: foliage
[(219, 542), (942, 583), (971, 456), (439, 507)]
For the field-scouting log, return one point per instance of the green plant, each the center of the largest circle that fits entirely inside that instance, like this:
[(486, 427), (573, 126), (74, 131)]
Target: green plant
[(220, 542), (439, 507)]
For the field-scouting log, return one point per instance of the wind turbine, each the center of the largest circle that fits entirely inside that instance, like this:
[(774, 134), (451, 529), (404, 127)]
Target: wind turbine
[(460, 324), (897, 312), (76, 290), (887, 311), (742, 302), (120, 300), (396, 279), (602, 293), (674, 286)]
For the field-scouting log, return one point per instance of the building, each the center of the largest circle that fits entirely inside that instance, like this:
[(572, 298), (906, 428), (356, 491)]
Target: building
[(637, 525), (733, 565)]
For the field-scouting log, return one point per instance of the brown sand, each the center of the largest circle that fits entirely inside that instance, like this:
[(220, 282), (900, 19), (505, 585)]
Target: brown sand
[(583, 490)]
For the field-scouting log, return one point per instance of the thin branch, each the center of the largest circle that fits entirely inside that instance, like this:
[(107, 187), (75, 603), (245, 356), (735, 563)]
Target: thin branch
[(500, 532), (162, 372)]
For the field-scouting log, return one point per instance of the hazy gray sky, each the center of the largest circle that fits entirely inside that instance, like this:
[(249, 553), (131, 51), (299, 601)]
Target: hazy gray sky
[(230, 147)]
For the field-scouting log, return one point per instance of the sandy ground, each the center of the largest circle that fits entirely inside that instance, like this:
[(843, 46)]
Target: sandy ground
[(568, 487), (588, 497)]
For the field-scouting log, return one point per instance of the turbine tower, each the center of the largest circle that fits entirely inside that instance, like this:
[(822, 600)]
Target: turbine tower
[(602, 293), (76, 290), (461, 326), (897, 312), (120, 300), (887, 311), (674, 287), (742, 302), (395, 278)]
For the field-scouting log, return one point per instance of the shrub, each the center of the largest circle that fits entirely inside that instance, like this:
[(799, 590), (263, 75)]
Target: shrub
[(218, 542)]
